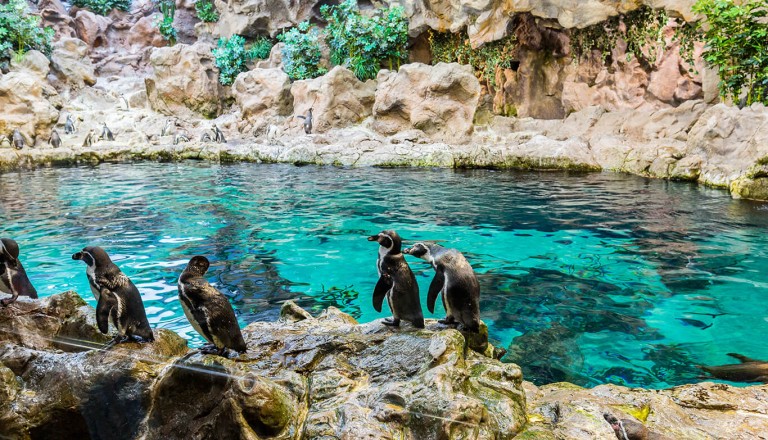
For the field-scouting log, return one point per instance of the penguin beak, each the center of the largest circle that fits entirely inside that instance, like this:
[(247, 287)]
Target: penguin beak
[(407, 251), (373, 238), (77, 256)]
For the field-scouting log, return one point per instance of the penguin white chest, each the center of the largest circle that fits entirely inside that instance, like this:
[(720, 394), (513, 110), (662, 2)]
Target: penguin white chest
[(90, 272), (9, 273), (185, 306)]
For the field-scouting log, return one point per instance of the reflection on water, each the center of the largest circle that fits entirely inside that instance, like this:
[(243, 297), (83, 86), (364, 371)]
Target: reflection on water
[(587, 278)]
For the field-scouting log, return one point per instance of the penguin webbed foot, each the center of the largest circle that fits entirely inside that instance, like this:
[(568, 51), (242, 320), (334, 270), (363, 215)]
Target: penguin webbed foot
[(211, 349), (7, 301), (116, 340), (450, 321), (392, 322)]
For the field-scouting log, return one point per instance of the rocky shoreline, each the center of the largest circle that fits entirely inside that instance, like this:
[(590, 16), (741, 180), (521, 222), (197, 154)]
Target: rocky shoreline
[(318, 377), (719, 146)]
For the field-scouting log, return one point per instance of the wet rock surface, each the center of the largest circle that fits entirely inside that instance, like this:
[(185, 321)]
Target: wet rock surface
[(303, 377)]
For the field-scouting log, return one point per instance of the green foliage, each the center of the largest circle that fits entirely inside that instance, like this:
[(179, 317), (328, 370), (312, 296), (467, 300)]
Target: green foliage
[(231, 56), (736, 37), (301, 53), (363, 43), (165, 25), (455, 48), (103, 7), (261, 48), (206, 11), (20, 31), (641, 29)]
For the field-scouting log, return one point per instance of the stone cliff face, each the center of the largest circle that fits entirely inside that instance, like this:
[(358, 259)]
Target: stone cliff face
[(317, 378)]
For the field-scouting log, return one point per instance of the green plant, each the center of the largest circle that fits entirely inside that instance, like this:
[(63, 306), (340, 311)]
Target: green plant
[(20, 31), (736, 37), (261, 48), (301, 52), (165, 24), (455, 48), (103, 7), (364, 42), (641, 29), (231, 56), (206, 11)]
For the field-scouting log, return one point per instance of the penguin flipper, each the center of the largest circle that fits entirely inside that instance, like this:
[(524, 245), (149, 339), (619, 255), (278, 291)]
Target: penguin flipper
[(102, 312), (435, 287), (742, 358), (380, 291)]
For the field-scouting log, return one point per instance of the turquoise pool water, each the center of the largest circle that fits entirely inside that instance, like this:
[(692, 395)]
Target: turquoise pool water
[(589, 278)]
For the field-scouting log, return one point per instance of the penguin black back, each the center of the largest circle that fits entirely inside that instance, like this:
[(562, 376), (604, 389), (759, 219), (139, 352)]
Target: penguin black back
[(13, 277), (118, 298), (455, 280), (207, 309), (396, 282)]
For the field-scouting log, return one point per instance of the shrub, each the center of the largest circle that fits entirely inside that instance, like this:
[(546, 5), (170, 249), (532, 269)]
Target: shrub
[(363, 43), (736, 37), (206, 11), (103, 7), (455, 48), (20, 31), (301, 52), (165, 24), (231, 56)]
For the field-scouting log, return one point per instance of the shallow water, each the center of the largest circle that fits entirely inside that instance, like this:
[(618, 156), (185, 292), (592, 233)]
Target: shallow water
[(588, 278)]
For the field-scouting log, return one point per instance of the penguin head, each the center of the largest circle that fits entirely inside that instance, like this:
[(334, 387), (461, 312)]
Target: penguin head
[(92, 256), (419, 250), (9, 250), (198, 265), (389, 240)]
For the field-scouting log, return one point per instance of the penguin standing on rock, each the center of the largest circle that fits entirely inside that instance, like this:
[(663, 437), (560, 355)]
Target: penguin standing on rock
[(55, 140), (18, 139), (456, 280), (106, 133), (118, 298), (208, 310), (396, 282), (307, 121), (13, 278), (69, 125)]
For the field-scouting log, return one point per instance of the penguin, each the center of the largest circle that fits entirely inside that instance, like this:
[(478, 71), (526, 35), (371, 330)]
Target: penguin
[(456, 280), (166, 128), (307, 121), (69, 125), (18, 139), (218, 135), (206, 137), (396, 282), (748, 370), (180, 137), (55, 140), (91, 138), (117, 297), (106, 133), (4, 141), (13, 277), (208, 310), (124, 101)]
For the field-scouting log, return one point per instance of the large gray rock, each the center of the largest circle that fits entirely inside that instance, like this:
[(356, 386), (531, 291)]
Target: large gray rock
[(302, 378), (338, 99), (185, 79), (71, 63), (250, 18), (27, 100), (440, 100), (263, 95)]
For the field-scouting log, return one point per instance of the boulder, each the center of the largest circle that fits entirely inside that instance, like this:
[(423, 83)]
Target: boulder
[(304, 378), (34, 62), (251, 18), (262, 95), (145, 34), (337, 99), (54, 15), (71, 63), (185, 79), (439, 100), (92, 28), (28, 101)]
